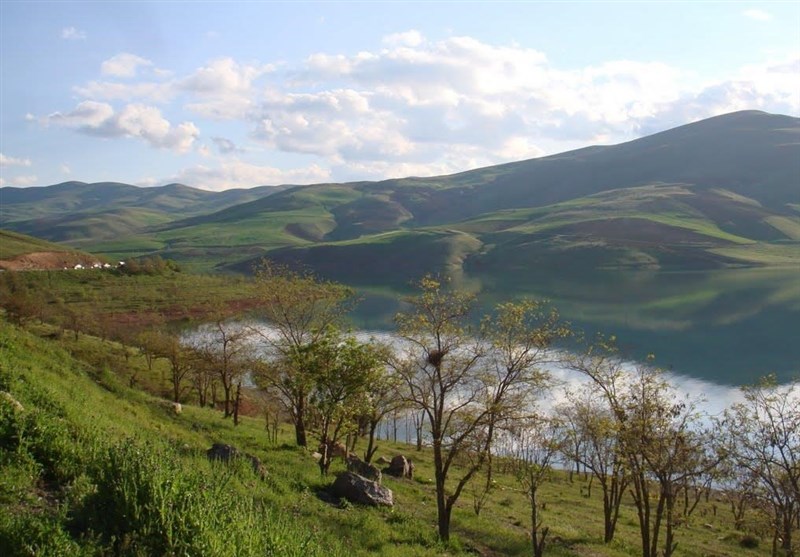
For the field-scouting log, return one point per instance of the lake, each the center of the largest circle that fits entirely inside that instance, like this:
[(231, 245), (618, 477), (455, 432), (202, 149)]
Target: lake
[(727, 327)]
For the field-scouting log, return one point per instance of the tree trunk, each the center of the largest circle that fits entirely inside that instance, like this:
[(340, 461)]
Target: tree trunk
[(237, 401), (443, 513), (372, 448)]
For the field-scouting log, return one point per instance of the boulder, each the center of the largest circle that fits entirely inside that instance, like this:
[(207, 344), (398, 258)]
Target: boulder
[(334, 449), (223, 452), (400, 467), (177, 408), (383, 460), (356, 489), (363, 469)]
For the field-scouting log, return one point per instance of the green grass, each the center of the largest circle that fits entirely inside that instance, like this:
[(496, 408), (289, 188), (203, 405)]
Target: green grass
[(13, 244), (91, 466)]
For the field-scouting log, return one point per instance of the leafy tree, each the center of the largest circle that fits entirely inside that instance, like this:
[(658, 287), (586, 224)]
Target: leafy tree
[(341, 370), (299, 308), (763, 435)]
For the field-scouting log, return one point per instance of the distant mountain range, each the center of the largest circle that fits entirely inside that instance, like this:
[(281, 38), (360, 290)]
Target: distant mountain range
[(716, 193)]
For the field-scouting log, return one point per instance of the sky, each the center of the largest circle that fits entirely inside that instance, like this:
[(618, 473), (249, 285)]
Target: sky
[(220, 95)]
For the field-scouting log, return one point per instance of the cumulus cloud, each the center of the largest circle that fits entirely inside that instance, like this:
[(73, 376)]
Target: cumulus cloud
[(13, 161), (124, 65), (415, 105), (239, 174), (758, 15), (73, 34), (133, 120), (223, 88)]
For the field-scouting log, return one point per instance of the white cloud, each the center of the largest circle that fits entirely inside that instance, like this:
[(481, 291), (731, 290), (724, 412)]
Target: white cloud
[(13, 161), (223, 87), (19, 181), (758, 15), (408, 38), (87, 114), (65, 169), (124, 65), (133, 120), (73, 34), (239, 174), (414, 105)]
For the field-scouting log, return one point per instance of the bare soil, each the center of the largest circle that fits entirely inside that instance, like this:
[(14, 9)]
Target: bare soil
[(46, 261)]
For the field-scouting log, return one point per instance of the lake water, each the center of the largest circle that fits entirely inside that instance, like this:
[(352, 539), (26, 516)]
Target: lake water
[(724, 328)]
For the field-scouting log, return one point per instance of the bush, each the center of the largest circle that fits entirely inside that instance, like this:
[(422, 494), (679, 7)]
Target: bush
[(749, 542)]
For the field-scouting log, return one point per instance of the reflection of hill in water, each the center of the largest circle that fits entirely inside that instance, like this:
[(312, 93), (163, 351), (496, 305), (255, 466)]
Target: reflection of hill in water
[(728, 327)]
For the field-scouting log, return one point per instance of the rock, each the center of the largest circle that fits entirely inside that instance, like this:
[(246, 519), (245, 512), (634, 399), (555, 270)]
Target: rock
[(11, 401), (335, 449), (177, 408), (383, 460), (400, 467), (225, 453), (363, 469), (356, 489), (316, 456)]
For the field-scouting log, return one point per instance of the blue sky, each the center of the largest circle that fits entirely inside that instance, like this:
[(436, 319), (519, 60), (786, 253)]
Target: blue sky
[(220, 95)]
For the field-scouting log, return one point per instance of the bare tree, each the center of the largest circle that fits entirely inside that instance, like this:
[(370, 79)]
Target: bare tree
[(659, 435), (225, 345), (467, 385), (592, 440), (537, 444)]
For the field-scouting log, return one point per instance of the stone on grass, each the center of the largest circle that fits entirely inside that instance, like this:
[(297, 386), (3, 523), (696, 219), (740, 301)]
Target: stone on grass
[(356, 489)]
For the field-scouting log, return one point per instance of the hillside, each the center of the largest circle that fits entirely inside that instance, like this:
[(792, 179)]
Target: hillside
[(19, 252), (91, 466)]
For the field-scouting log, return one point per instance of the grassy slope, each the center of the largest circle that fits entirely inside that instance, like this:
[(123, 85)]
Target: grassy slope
[(72, 389), (13, 244)]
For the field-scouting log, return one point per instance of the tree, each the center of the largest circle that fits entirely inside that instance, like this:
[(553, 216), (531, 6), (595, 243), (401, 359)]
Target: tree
[(299, 308), (659, 435), (537, 443), (593, 442), (182, 359), (382, 400), (225, 345), (466, 385), (763, 434), (341, 369)]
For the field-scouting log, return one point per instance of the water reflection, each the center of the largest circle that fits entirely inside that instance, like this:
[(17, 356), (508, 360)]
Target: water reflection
[(727, 327)]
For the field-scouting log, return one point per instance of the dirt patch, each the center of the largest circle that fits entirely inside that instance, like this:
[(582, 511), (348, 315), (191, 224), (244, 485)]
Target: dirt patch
[(47, 261)]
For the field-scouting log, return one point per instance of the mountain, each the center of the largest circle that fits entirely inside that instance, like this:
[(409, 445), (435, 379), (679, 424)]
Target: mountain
[(712, 194), (83, 213)]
